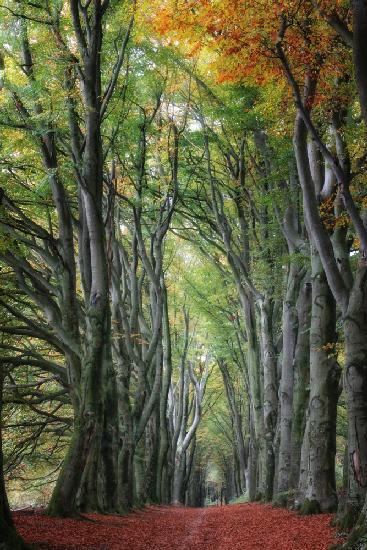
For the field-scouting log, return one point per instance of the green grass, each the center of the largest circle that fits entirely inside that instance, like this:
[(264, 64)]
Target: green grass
[(240, 500)]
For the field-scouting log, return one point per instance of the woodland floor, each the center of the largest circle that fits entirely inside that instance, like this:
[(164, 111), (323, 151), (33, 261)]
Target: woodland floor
[(234, 527)]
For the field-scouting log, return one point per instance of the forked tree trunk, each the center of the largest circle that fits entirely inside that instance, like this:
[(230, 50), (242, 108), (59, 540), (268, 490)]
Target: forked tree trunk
[(187, 437), (88, 475), (352, 300)]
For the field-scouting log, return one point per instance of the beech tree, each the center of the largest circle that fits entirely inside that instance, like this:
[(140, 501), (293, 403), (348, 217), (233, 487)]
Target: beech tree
[(305, 52), (183, 253)]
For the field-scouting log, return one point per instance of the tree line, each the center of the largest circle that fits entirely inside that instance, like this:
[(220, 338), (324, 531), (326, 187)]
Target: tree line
[(178, 210)]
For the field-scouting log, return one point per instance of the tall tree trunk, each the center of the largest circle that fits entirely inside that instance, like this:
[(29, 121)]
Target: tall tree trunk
[(187, 435), (63, 501), (355, 383), (178, 478), (252, 461), (126, 449), (270, 394), (240, 448), (301, 377), (163, 482), (152, 450), (92, 425), (290, 327), (319, 491), (100, 412), (139, 473), (352, 300), (258, 447)]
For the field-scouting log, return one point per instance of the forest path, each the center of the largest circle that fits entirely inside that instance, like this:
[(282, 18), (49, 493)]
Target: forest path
[(234, 527)]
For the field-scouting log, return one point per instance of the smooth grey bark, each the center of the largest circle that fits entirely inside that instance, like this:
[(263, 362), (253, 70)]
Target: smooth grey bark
[(151, 456), (125, 446), (61, 313), (190, 458), (253, 361), (150, 359), (301, 377), (270, 399), (256, 403), (187, 435), (89, 364), (317, 489), (267, 316), (99, 414), (178, 398), (237, 249), (355, 383), (81, 331), (290, 328), (139, 474), (352, 302), (295, 343), (252, 462), (240, 448), (135, 272), (97, 360), (163, 481)]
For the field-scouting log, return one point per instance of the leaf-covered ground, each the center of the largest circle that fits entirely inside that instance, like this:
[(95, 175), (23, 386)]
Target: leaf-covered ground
[(238, 527)]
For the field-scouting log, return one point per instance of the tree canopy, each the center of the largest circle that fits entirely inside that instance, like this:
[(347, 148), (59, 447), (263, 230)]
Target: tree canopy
[(183, 255)]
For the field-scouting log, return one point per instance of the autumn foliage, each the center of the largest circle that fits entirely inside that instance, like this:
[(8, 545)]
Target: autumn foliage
[(241, 38), (236, 527)]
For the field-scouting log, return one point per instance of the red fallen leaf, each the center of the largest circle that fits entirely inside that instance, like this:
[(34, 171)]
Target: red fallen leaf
[(238, 527)]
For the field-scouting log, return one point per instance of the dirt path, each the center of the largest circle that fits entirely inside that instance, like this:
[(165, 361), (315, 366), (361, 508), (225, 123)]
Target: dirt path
[(239, 527)]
